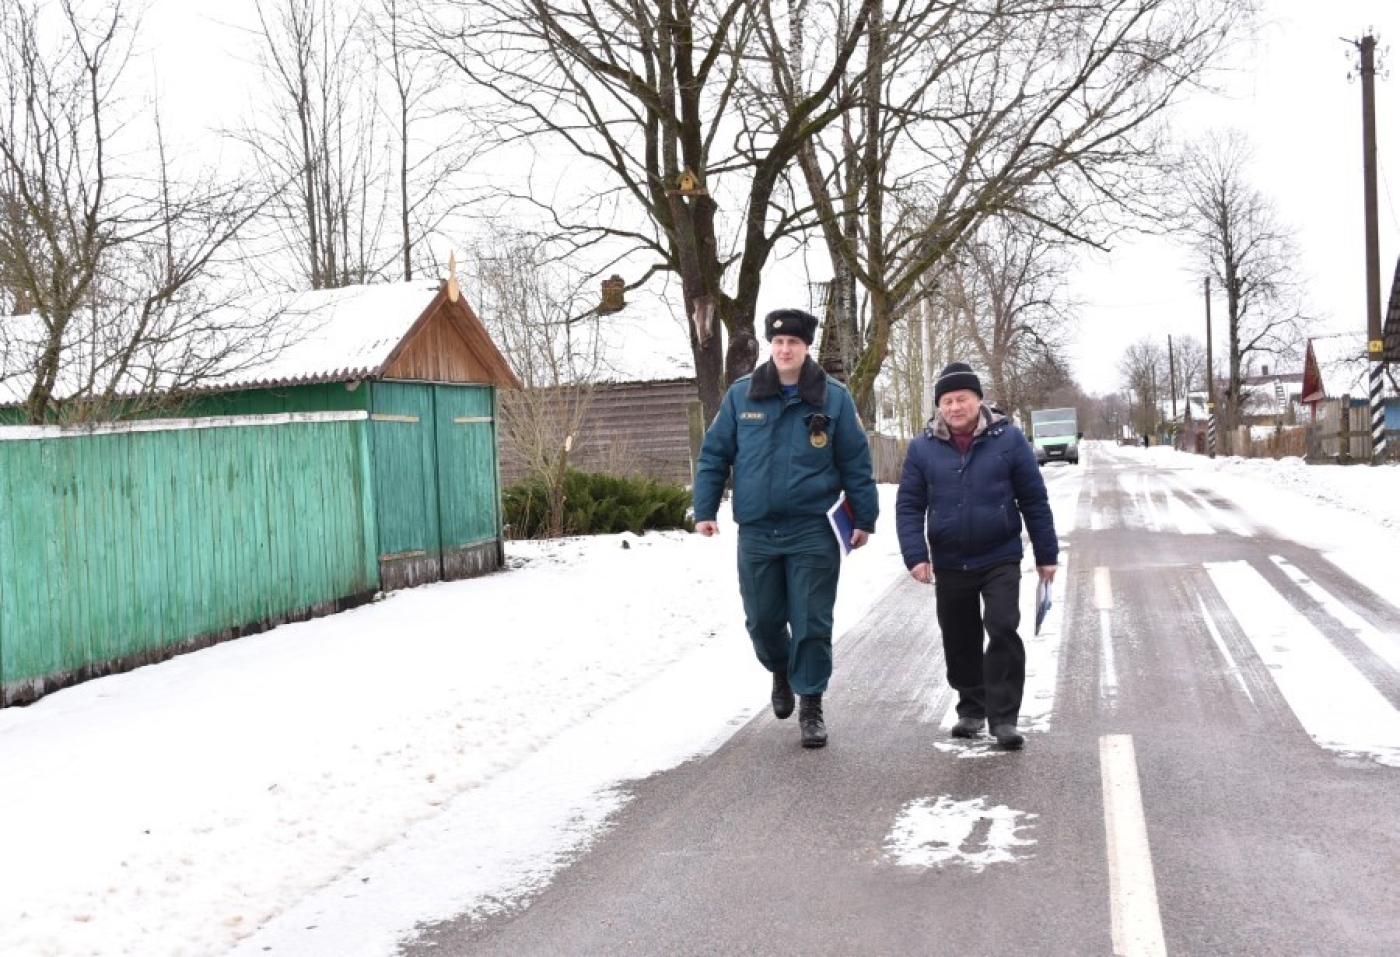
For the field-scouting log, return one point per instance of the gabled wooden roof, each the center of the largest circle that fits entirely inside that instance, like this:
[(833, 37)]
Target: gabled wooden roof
[(413, 330), (1334, 366), (448, 343)]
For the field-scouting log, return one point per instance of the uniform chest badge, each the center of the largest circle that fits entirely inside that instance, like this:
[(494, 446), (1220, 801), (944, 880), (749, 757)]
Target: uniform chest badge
[(816, 429), (818, 440)]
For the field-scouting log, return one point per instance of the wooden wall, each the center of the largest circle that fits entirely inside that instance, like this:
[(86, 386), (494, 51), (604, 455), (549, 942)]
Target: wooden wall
[(634, 428)]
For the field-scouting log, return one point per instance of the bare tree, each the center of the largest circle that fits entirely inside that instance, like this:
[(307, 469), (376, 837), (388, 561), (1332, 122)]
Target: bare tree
[(535, 313), (1144, 370), (118, 261), (1190, 365), (663, 170), (905, 396), (1104, 416), (1048, 111), (426, 167), (1007, 287), (319, 142), (1237, 236)]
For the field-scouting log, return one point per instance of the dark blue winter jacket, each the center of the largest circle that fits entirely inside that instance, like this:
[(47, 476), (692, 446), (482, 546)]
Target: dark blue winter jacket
[(966, 510), (788, 468)]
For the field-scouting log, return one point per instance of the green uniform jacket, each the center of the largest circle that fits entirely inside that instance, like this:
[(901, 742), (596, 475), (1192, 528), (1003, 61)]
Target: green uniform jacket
[(787, 466)]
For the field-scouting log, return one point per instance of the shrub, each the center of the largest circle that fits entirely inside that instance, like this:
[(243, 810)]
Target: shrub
[(596, 504)]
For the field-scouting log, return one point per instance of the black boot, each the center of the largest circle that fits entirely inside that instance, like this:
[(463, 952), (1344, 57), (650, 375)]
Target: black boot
[(782, 695), (1008, 738), (809, 717), (968, 727)]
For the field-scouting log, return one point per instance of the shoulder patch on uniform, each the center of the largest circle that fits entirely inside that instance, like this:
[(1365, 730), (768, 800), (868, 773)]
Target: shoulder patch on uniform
[(752, 416)]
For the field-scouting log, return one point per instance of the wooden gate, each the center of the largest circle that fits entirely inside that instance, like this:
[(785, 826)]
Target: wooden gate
[(437, 490)]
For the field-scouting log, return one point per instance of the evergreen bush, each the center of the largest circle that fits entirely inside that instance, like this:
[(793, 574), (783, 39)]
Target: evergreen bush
[(596, 504)]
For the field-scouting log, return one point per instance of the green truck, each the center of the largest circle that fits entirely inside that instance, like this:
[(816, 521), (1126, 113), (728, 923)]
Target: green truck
[(1055, 435)]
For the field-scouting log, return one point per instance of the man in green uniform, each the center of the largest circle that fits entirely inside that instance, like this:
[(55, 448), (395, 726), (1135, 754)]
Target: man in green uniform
[(793, 441)]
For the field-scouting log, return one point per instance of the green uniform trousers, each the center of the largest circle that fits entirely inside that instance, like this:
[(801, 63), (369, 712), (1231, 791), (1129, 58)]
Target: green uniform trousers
[(787, 579)]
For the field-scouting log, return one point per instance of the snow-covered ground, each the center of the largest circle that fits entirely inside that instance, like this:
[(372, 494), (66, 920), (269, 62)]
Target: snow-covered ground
[(321, 787)]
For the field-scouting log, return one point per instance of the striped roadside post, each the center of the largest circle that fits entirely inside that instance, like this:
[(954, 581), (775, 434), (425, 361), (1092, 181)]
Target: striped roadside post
[(1377, 404), (1210, 428)]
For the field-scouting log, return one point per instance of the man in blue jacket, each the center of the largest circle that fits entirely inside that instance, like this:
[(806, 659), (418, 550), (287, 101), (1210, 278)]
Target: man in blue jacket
[(968, 482), (791, 438)]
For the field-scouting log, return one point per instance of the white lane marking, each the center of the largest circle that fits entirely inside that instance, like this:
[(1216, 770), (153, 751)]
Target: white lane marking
[(1103, 588), (1186, 519), (1384, 645), (1230, 664), (1218, 518), (1340, 709), (1139, 503), (1142, 495), (1137, 921), (1103, 601), (930, 832)]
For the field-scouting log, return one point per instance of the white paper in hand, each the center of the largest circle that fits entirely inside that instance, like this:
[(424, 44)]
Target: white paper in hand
[(1042, 602)]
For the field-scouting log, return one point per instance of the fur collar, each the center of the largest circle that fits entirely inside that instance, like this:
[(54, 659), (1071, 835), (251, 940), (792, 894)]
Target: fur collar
[(811, 383)]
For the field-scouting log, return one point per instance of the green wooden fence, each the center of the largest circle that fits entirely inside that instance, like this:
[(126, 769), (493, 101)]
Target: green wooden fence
[(128, 545)]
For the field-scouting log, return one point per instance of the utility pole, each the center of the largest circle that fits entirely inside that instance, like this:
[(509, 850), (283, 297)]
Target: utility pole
[(1210, 380), (1171, 372), (1375, 345)]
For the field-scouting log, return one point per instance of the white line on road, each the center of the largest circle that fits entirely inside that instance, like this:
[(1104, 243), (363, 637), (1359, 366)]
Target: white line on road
[(1386, 649), (1137, 922), (1103, 601), (1220, 645), (1103, 588), (1339, 705)]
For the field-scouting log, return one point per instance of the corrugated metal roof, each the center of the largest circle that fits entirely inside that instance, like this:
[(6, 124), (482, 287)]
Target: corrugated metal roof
[(350, 333), (335, 334), (326, 335)]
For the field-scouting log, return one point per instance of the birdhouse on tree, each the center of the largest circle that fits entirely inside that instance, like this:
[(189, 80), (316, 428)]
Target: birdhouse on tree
[(614, 289), (688, 184)]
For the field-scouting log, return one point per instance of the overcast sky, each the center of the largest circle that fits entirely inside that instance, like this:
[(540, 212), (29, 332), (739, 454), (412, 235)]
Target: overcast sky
[(1293, 99), (1290, 94)]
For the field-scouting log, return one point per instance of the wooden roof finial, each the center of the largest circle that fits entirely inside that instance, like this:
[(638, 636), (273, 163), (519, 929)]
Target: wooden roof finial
[(454, 292)]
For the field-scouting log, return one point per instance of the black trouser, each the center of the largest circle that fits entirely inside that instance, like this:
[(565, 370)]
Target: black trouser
[(989, 683)]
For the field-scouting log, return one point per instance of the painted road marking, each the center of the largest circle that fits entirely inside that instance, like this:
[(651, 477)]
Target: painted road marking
[(1231, 666), (1341, 709), (1137, 922), (1103, 601), (1387, 651)]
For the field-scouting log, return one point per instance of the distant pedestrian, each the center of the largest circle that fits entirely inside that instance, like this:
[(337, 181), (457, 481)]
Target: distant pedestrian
[(792, 440), (969, 480)]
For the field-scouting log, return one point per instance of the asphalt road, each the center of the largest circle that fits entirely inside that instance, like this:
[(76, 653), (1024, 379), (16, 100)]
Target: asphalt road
[(1172, 803)]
